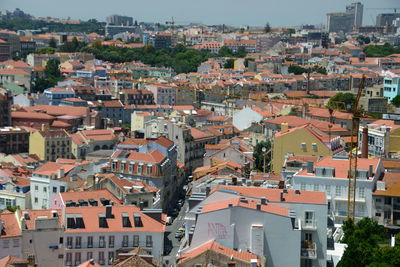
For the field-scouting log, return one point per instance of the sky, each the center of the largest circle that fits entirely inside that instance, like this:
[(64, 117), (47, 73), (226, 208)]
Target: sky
[(231, 12)]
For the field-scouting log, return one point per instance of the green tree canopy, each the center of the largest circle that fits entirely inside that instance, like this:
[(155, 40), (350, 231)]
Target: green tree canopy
[(342, 101), (258, 155), (267, 28), (53, 43), (52, 76), (46, 50), (229, 64), (363, 248), (396, 101)]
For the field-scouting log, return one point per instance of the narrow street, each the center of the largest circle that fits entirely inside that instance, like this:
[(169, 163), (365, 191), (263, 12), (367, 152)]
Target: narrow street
[(170, 259)]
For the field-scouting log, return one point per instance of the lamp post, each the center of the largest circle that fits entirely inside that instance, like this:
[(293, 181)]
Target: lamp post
[(264, 149)]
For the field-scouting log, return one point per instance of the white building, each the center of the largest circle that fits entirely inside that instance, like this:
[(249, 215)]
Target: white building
[(43, 188), (288, 227), (330, 175), (100, 233), (245, 117), (12, 192)]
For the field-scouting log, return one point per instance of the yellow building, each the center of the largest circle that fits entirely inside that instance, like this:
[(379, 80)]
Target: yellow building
[(50, 144), (138, 120), (306, 140)]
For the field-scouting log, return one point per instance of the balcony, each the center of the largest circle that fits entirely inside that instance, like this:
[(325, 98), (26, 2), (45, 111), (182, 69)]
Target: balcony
[(308, 250), (309, 225)]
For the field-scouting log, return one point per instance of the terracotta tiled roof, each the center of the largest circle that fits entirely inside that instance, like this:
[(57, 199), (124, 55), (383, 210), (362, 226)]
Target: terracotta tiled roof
[(154, 156), (213, 245), (250, 204), (90, 217), (197, 134), (10, 224), (50, 168), (392, 183), (273, 195), (33, 214), (342, 166), (11, 261), (91, 194), (89, 263)]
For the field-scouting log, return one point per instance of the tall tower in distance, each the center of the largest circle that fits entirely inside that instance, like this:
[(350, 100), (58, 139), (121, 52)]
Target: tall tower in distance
[(356, 9)]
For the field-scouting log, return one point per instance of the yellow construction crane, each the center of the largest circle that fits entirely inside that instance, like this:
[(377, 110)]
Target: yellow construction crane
[(357, 115)]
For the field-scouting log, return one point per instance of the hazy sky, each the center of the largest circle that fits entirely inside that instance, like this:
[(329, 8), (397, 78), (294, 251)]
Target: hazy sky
[(233, 12)]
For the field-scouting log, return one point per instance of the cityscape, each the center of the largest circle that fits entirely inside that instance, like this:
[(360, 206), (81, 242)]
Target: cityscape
[(181, 143)]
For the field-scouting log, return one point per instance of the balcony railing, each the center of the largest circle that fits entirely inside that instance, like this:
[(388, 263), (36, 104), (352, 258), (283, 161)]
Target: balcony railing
[(308, 250), (309, 225)]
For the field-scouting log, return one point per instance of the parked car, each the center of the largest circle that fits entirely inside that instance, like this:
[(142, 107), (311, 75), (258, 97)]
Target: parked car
[(179, 234), (169, 220)]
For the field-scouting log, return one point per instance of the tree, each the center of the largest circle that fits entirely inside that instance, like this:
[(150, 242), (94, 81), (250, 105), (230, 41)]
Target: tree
[(97, 44), (362, 241), (52, 76), (46, 50), (53, 43), (52, 68), (241, 52), (337, 101), (258, 155), (396, 101), (225, 51), (267, 28), (229, 64)]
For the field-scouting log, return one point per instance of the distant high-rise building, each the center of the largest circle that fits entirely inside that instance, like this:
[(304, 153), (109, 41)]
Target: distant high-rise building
[(386, 19), (345, 21), (340, 21), (357, 10), (119, 20)]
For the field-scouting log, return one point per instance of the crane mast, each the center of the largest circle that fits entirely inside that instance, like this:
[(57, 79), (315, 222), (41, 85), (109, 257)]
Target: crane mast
[(355, 125)]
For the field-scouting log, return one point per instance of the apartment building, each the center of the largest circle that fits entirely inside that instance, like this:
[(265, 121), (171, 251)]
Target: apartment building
[(386, 200), (10, 235), (5, 109), (151, 161), (86, 141), (330, 175), (261, 221), (55, 95), (383, 138), (50, 145), (14, 140), (101, 233), (42, 236), (13, 190), (164, 94), (306, 140), (391, 86)]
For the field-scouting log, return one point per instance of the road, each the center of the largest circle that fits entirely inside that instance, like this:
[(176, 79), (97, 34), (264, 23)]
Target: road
[(170, 230)]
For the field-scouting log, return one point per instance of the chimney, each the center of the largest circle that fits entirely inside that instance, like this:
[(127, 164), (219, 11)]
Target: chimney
[(297, 192), (386, 145), (234, 180), (91, 261), (264, 201), (258, 206), (371, 170), (310, 167), (282, 198), (208, 189), (284, 127), (90, 181), (141, 205), (61, 173), (108, 211), (230, 205), (364, 146)]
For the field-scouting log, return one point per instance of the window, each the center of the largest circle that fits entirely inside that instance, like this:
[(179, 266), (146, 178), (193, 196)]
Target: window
[(309, 217), (125, 241), (45, 189), (110, 257), (361, 192), (316, 187), (149, 169), (314, 146), (135, 240), (6, 243), (101, 257), (378, 200), (149, 241), (89, 255), (338, 190), (54, 189), (69, 242), (77, 258), (139, 168), (328, 189), (111, 241), (90, 241), (68, 259), (308, 237), (102, 242), (36, 188), (303, 146), (78, 242), (378, 214), (62, 189)]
